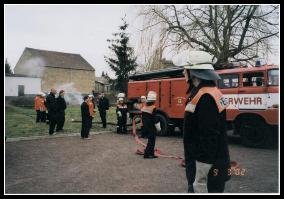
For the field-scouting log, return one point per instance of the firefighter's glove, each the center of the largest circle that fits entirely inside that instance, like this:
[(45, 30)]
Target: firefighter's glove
[(200, 183), (158, 126), (119, 114)]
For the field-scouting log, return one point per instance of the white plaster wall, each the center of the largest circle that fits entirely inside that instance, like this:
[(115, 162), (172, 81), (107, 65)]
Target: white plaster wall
[(32, 85)]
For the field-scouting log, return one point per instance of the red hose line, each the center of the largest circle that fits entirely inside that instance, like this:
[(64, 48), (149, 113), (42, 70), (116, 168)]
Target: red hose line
[(234, 164), (138, 141)]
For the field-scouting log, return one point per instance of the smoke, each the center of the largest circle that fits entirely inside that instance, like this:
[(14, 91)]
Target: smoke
[(34, 67), (72, 96)]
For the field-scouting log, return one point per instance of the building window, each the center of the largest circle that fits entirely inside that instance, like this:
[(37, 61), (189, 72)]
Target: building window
[(21, 90)]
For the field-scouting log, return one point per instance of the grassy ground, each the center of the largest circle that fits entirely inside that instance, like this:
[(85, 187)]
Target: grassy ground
[(20, 122)]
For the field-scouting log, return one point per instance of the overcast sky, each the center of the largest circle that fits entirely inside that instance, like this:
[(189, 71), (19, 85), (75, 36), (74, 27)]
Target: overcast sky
[(80, 29)]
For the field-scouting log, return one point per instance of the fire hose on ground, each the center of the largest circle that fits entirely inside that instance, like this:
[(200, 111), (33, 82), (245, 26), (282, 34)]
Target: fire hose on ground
[(234, 164)]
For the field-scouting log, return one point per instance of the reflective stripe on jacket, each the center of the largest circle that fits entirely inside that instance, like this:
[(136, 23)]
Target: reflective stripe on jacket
[(221, 102)]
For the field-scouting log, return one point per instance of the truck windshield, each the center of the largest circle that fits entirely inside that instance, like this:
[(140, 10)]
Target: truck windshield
[(273, 77)]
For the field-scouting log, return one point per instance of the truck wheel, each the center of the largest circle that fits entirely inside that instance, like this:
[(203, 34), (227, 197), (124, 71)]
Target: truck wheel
[(164, 125), (255, 133)]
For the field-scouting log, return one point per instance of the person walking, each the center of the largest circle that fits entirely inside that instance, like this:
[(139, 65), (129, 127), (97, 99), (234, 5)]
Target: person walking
[(151, 124), (61, 106), (103, 106), (206, 150), (86, 119), (52, 110)]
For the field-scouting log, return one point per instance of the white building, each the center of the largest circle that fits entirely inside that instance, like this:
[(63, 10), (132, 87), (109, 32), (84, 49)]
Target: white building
[(21, 85)]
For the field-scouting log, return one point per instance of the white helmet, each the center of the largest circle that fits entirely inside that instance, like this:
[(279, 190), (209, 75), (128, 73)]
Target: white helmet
[(194, 60), (199, 63), (91, 96), (120, 99), (40, 93), (120, 95), (152, 96), (43, 95), (142, 97)]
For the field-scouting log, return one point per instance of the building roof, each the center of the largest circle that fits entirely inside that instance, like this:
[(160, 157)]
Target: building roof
[(61, 59), (102, 80), (20, 75)]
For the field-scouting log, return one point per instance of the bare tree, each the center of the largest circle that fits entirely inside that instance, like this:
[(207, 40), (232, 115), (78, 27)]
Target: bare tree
[(228, 32)]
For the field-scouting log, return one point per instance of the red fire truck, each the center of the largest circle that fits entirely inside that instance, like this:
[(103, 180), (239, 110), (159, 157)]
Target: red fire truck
[(252, 92)]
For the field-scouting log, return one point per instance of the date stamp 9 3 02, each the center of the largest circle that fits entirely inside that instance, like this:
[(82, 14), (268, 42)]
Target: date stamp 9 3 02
[(231, 172)]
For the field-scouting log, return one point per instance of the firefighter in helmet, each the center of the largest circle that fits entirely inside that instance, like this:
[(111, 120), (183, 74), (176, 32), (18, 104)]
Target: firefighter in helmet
[(151, 124), (121, 111), (42, 108), (37, 100), (91, 106), (205, 141), (139, 105), (120, 95)]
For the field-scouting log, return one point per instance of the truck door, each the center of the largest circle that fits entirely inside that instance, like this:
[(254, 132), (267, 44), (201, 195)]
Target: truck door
[(178, 98), (165, 95), (136, 89), (253, 92), (229, 86)]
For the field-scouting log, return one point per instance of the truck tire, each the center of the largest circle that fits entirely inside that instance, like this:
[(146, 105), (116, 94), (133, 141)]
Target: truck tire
[(164, 124), (255, 132)]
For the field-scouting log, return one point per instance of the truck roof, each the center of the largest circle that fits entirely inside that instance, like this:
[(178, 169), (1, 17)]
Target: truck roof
[(175, 72), (247, 69), (162, 73)]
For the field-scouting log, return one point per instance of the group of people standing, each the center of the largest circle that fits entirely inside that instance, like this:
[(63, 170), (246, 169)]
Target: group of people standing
[(206, 152), (56, 110), (207, 158), (88, 111)]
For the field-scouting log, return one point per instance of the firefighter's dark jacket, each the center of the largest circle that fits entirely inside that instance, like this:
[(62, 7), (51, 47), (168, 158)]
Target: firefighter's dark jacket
[(51, 104), (61, 104), (103, 104), (85, 113), (149, 120), (123, 109), (205, 137)]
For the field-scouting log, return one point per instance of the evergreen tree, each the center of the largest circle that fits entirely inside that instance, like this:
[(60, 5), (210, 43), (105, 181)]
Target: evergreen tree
[(123, 62), (8, 68)]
